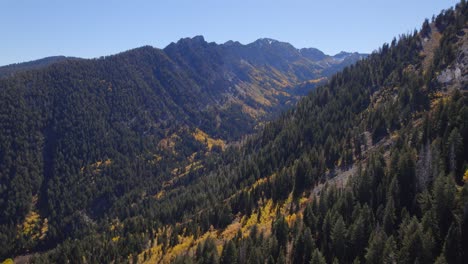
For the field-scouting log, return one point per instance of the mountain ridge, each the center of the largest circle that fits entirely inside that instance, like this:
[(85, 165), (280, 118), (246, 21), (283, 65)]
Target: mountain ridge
[(125, 158), (10, 69), (78, 125), (371, 167)]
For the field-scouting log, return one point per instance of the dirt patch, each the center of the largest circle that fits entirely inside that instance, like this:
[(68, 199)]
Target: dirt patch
[(24, 259), (429, 46)]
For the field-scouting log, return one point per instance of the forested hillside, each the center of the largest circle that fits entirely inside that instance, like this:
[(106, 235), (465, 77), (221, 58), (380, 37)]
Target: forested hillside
[(371, 167), (82, 142)]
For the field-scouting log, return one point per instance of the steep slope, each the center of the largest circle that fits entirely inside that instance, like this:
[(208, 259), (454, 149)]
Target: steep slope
[(370, 167), (81, 140)]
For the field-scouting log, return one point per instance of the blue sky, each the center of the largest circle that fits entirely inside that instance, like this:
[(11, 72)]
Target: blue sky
[(38, 28)]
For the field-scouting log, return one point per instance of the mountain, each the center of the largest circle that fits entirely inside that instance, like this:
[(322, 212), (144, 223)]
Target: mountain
[(370, 167), (81, 140), (122, 159), (10, 70), (259, 75)]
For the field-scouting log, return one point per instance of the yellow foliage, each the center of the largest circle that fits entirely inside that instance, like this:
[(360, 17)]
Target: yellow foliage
[(178, 174), (258, 97), (291, 219), (98, 164), (116, 238), (44, 229), (155, 160), (285, 208), (259, 182), (34, 227), (231, 231), (115, 225), (252, 112), (30, 223), (465, 176), (185, 243), (267, 216), (262, 218), (267, 211), (314, 81), (160, 194), (437, 100), (8, 261), (192, 166), (169, 143), (219, 247), (251, 221), (155, 253), (303, 201), (201, 136)]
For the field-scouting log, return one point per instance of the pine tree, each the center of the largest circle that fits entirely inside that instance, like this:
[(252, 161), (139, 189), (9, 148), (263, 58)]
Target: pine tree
[(281, 230), (298, 249), (415, 246), (338, 237), (281, 258), (375, 250), (443, 194), (454, 146), (229, 254), (310, 220), (407, 179), (441, 260), (452, 247), (389, 219), (308, 244), (317, 258), (390, 251)]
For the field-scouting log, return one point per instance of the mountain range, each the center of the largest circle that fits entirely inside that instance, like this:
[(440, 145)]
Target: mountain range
[(165, 110), (230, 153)]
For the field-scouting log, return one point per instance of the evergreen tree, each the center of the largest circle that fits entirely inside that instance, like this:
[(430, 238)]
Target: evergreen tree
[(299, 249), (407, 179), (317, 257), (389, 219), (308, 245), (229, 254), (390, 251), (338, 238), (281, 231), (375, 250), (452, 246)]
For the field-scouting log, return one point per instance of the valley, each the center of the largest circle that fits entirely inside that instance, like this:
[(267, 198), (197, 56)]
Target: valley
[(230, 153)]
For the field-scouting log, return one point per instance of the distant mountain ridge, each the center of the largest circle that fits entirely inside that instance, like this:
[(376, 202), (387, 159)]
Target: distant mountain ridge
[(11, 69), (280, 64), (261, 77), (312, 54)]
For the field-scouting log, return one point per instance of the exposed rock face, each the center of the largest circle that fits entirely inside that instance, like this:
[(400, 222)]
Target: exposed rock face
[(457, 74)]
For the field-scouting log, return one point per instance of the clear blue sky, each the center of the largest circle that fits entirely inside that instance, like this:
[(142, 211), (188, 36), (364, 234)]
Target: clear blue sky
[(38, 28)]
